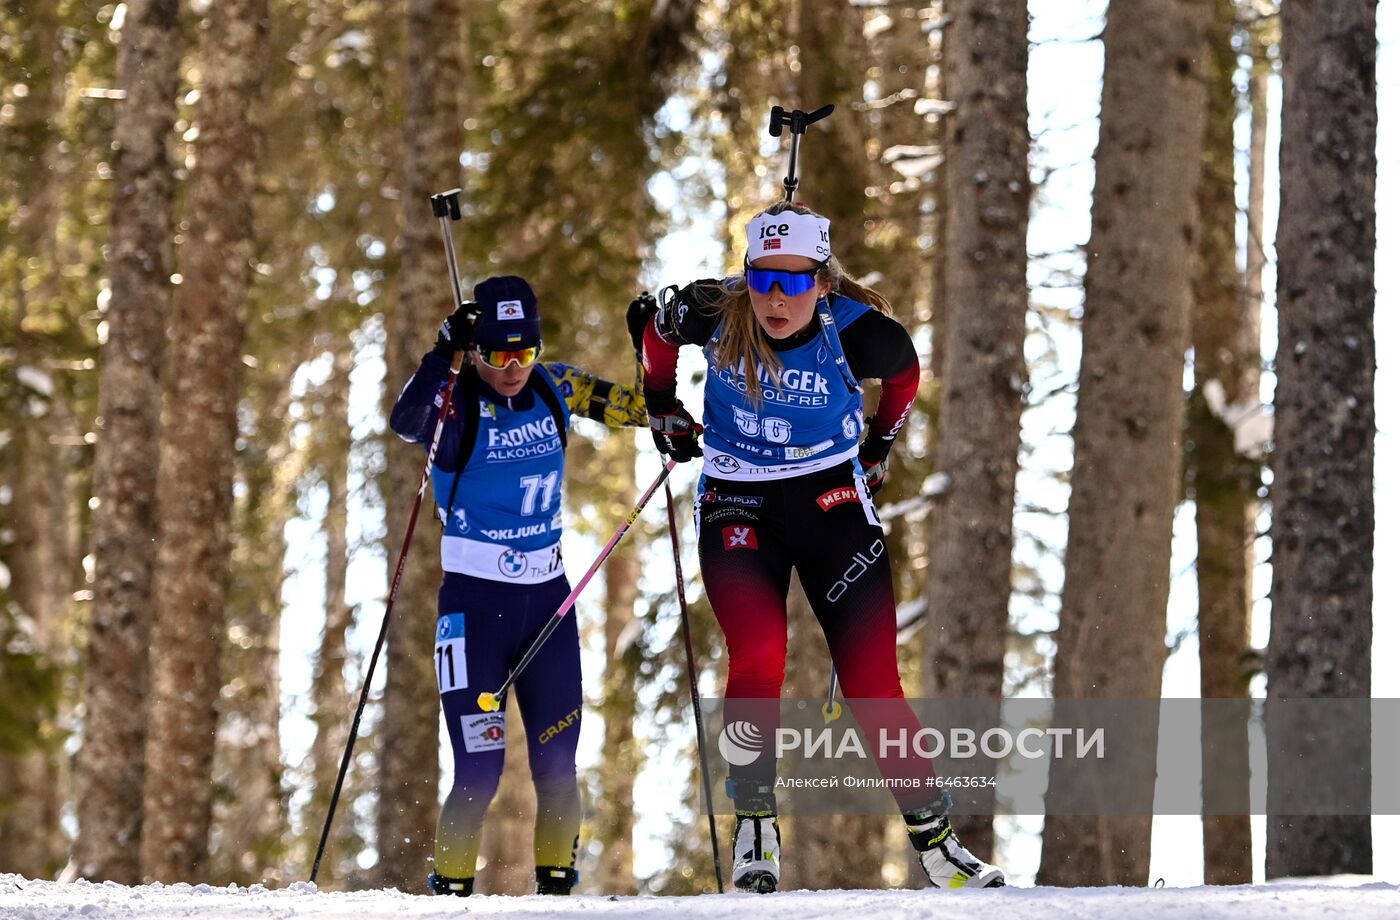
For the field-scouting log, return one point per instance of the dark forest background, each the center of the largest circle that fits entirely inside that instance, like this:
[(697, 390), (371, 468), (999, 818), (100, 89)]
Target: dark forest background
[(217, 265)]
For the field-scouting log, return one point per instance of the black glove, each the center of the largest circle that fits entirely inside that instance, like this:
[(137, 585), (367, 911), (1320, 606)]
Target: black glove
[(640, 312), (875, 463), (676, 433), (456, 332)]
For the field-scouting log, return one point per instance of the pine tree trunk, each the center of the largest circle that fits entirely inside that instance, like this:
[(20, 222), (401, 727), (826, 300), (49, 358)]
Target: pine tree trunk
[(937, 268), (196, 469), (985, 53), (1127, 435), (1225, 340), (331, 704), (250, 811), (38, 552), (250, 807), (408, 796), (623, 760), (1324, 418), (834, 170), (1260, 70), (111, 763)]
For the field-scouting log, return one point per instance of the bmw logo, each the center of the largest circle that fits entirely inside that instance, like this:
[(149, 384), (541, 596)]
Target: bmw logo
[(726, 464), (512, 564)]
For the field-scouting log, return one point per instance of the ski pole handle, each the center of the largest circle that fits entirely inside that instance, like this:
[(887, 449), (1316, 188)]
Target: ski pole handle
[(447, 208), (491, 702)]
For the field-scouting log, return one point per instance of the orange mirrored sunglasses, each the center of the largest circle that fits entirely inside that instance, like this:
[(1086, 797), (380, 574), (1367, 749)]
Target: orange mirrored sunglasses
[(501, 358)]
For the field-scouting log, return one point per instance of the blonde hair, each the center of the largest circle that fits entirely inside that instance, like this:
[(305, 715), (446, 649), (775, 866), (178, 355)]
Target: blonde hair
[(741, 339)]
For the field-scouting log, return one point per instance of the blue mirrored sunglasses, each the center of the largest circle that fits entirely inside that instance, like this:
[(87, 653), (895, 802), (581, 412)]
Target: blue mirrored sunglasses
[(791, 283)]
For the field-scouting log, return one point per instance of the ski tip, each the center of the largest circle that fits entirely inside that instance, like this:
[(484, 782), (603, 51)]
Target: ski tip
[(487, 702)]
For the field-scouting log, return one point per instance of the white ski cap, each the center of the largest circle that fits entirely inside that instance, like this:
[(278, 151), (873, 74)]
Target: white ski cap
[(789, 233)]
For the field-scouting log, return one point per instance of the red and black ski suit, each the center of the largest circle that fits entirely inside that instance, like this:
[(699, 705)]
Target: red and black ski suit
[(754, 531)]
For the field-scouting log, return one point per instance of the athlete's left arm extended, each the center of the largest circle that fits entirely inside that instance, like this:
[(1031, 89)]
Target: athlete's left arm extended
[(613, 404), (878, 347)]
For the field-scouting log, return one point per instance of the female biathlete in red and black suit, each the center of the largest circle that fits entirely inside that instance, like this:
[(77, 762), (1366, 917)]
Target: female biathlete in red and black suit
[(787, 483)]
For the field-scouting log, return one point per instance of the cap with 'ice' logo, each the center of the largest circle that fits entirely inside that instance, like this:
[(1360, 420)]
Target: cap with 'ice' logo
[(510, 316), (789, 233)]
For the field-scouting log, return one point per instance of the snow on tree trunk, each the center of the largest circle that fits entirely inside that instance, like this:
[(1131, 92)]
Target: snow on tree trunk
[(1324, 420), (408, 792), (985, 49), (1127, 434), (111, 762)]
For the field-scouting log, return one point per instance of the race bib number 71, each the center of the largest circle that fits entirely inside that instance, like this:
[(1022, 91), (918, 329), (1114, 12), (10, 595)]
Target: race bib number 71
[(450, 653)]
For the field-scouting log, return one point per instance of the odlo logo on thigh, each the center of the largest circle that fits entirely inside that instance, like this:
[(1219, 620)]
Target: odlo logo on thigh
[(860, 562), (740, 538), (484, 732)]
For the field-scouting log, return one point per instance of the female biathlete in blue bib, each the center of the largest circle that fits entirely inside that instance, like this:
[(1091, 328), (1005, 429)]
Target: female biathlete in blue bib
[(497, 479), (787, 483)]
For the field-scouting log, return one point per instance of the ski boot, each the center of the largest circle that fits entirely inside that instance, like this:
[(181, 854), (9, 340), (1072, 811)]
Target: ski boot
[(556, 880), (946, 862), (756, 838), (756, 841), (441, 884)]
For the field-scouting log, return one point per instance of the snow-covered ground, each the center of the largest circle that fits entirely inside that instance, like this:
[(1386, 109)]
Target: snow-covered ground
[(1353, 899)]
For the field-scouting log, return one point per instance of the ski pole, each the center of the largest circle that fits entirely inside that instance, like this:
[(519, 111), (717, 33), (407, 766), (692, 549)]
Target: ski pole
[(445, 208), (832, 710), (490, 702), (797, 121), (694, 683)]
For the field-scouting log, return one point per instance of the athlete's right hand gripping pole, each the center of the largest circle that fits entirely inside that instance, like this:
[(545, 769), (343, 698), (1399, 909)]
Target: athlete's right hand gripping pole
[(445, 208), (797, 121), (490, 702)]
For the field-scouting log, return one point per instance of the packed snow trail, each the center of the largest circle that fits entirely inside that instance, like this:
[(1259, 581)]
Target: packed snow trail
[(21, 899)]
